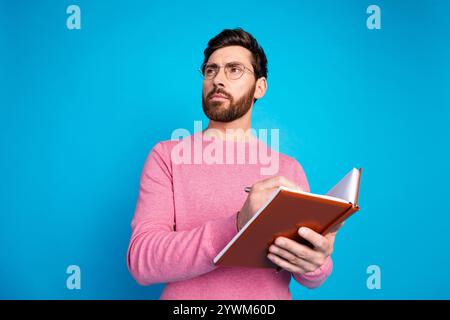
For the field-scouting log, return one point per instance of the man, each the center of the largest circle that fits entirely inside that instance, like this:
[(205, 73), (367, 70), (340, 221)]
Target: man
[(187, 212)]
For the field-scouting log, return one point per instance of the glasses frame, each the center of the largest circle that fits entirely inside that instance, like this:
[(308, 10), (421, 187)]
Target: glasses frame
[(202, 67)]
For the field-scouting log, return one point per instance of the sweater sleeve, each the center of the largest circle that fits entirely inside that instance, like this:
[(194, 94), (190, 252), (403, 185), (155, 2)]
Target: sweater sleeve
[(315, 278), (157, 252)]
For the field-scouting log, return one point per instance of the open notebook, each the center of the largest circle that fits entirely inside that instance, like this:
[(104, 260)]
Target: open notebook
[(283, 214)]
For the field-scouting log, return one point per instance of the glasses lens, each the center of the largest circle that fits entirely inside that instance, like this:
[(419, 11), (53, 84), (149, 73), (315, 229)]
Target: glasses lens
[(234, 70), (210, 71)]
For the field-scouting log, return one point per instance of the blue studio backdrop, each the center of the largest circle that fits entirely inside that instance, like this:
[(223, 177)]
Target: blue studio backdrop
[(80, 108)]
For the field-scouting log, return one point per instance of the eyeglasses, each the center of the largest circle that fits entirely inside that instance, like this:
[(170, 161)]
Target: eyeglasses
[(233, 70)]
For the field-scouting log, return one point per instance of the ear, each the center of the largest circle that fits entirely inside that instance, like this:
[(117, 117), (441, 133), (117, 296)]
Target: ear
[(260, 88)]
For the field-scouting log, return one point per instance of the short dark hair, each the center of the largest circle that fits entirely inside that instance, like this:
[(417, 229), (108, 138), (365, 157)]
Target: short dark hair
[(239, 37)]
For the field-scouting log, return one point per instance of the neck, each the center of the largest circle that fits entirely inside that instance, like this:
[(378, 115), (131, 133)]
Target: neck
[(237, 130)]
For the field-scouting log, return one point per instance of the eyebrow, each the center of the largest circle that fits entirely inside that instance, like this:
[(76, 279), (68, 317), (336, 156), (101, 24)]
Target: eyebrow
[(211, 65), (234, 62), (228, 63)]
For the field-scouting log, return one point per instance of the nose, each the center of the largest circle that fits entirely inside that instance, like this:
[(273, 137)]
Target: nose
[(219, 79)]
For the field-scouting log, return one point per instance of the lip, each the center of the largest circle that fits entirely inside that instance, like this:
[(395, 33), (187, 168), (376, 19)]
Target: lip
[(218, 97)]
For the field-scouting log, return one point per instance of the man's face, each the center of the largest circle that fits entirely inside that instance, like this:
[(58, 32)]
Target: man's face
[(225, 100)]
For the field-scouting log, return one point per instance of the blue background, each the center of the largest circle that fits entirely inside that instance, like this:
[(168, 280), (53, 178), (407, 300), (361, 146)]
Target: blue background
[(81, 109)]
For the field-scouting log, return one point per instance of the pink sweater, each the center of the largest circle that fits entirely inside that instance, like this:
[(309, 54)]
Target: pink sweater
[(186, 214)]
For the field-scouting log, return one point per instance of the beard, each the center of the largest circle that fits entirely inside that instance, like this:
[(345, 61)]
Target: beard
[(218, 110)]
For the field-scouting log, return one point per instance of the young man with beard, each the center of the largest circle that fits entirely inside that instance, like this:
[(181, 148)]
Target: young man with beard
[(187, 212)]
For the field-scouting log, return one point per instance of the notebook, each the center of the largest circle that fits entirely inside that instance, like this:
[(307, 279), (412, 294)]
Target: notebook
[(283, 214)]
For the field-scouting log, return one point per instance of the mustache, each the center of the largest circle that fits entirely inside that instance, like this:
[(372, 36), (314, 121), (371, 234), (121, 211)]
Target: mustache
[(219, 91)]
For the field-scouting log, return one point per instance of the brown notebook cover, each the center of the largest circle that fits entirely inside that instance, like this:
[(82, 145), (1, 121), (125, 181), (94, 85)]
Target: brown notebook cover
[(283, 215)]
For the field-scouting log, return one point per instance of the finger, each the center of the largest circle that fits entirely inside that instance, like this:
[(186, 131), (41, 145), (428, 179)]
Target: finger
[(265, 194), (305, 264), (331, 237), (317, 240), (276, 181), (286, 265), (297, 249)]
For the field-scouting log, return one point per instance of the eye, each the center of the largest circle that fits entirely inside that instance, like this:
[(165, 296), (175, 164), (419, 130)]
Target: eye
[(210, 70), (235, 69)]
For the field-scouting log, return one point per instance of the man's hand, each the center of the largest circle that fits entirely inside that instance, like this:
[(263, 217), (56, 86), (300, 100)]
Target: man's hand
[(298, 258), (260, 192)]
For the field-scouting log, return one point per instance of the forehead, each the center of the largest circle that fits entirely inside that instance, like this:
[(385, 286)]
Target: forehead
[(230, 54)]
